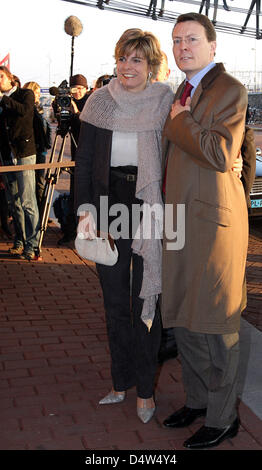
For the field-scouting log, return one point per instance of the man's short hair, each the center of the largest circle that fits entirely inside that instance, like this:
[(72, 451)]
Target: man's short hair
[(203, 20)]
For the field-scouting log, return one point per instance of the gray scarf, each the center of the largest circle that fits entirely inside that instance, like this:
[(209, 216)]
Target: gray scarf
[(112, 107)]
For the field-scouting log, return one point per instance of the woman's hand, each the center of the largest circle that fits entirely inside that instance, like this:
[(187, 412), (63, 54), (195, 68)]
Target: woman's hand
[(86, 226), (238, 165)]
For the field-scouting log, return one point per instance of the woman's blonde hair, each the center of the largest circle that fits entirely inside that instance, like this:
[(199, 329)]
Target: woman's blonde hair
[(32, 86), (135, 39)]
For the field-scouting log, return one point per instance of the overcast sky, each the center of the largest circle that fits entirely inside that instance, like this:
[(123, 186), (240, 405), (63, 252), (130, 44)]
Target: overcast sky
[(32, 31)]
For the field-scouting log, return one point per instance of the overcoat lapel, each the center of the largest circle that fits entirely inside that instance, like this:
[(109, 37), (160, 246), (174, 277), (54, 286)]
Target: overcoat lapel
[(179, 91), (196, 97)]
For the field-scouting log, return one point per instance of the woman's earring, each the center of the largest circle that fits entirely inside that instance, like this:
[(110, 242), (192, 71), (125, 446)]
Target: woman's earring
[(149, 77)]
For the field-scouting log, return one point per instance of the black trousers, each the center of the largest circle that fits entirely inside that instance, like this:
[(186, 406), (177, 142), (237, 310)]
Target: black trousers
[(134, 349)]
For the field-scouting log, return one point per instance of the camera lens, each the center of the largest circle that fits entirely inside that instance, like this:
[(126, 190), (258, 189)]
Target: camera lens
[(64, 101)]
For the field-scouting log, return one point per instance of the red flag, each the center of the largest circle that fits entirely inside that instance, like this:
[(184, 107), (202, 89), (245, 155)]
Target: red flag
[(6, 61)]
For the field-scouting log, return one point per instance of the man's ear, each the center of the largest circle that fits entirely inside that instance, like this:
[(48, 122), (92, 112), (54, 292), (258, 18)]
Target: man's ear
[(213, 48)]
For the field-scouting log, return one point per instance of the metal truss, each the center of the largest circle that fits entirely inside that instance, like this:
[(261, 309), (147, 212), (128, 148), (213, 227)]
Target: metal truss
[(207, 7)]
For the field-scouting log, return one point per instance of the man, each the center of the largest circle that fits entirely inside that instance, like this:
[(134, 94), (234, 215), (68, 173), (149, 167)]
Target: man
[(17, 146), (202, 282), (79, 91)]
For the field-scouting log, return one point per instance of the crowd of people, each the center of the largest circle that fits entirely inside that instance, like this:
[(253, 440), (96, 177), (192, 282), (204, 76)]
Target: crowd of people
[(25, 139), (139, 144)]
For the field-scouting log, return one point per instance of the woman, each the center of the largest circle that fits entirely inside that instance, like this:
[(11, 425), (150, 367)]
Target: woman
[(119, 156), (42, 134)]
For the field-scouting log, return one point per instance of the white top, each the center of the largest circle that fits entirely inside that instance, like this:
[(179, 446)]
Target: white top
[(124, 149)]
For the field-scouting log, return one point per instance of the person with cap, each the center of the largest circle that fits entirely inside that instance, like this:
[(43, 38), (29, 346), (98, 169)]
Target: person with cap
[(80, 93)]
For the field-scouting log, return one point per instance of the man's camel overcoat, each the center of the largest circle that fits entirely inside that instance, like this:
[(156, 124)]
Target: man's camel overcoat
[(202, 282)]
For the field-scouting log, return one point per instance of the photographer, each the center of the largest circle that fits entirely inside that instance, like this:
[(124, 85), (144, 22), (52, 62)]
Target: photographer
[(79, 92), (17, 147)]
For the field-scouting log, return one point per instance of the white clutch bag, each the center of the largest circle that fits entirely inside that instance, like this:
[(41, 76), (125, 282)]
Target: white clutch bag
[(101, 250)]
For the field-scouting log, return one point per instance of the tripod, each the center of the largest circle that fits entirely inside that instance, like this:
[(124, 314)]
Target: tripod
[(51, 181)]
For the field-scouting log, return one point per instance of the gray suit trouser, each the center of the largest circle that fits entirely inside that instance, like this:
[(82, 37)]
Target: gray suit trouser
[(210, 373)]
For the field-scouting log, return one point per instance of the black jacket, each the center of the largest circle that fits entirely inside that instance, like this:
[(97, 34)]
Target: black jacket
[(16, 124), (93, 158)]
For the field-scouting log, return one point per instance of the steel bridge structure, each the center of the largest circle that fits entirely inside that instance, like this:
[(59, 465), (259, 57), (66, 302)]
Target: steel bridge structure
[(165, 10)]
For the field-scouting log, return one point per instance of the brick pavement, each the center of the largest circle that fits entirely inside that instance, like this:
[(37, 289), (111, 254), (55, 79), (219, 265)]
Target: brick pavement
[(55, 364)]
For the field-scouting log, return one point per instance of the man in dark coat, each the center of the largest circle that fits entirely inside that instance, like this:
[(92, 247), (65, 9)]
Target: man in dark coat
[(17, 147)]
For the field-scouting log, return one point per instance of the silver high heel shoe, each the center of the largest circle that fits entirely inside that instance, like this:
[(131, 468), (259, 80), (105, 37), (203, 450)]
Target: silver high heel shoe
[(145, 414), (111, 398)]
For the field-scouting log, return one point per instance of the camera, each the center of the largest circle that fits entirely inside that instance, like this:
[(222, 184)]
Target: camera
[(63, 96), (62, 106)]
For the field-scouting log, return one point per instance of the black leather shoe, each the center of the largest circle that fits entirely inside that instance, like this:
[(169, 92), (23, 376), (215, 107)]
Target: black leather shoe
[(210, 437), (184, 417)]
